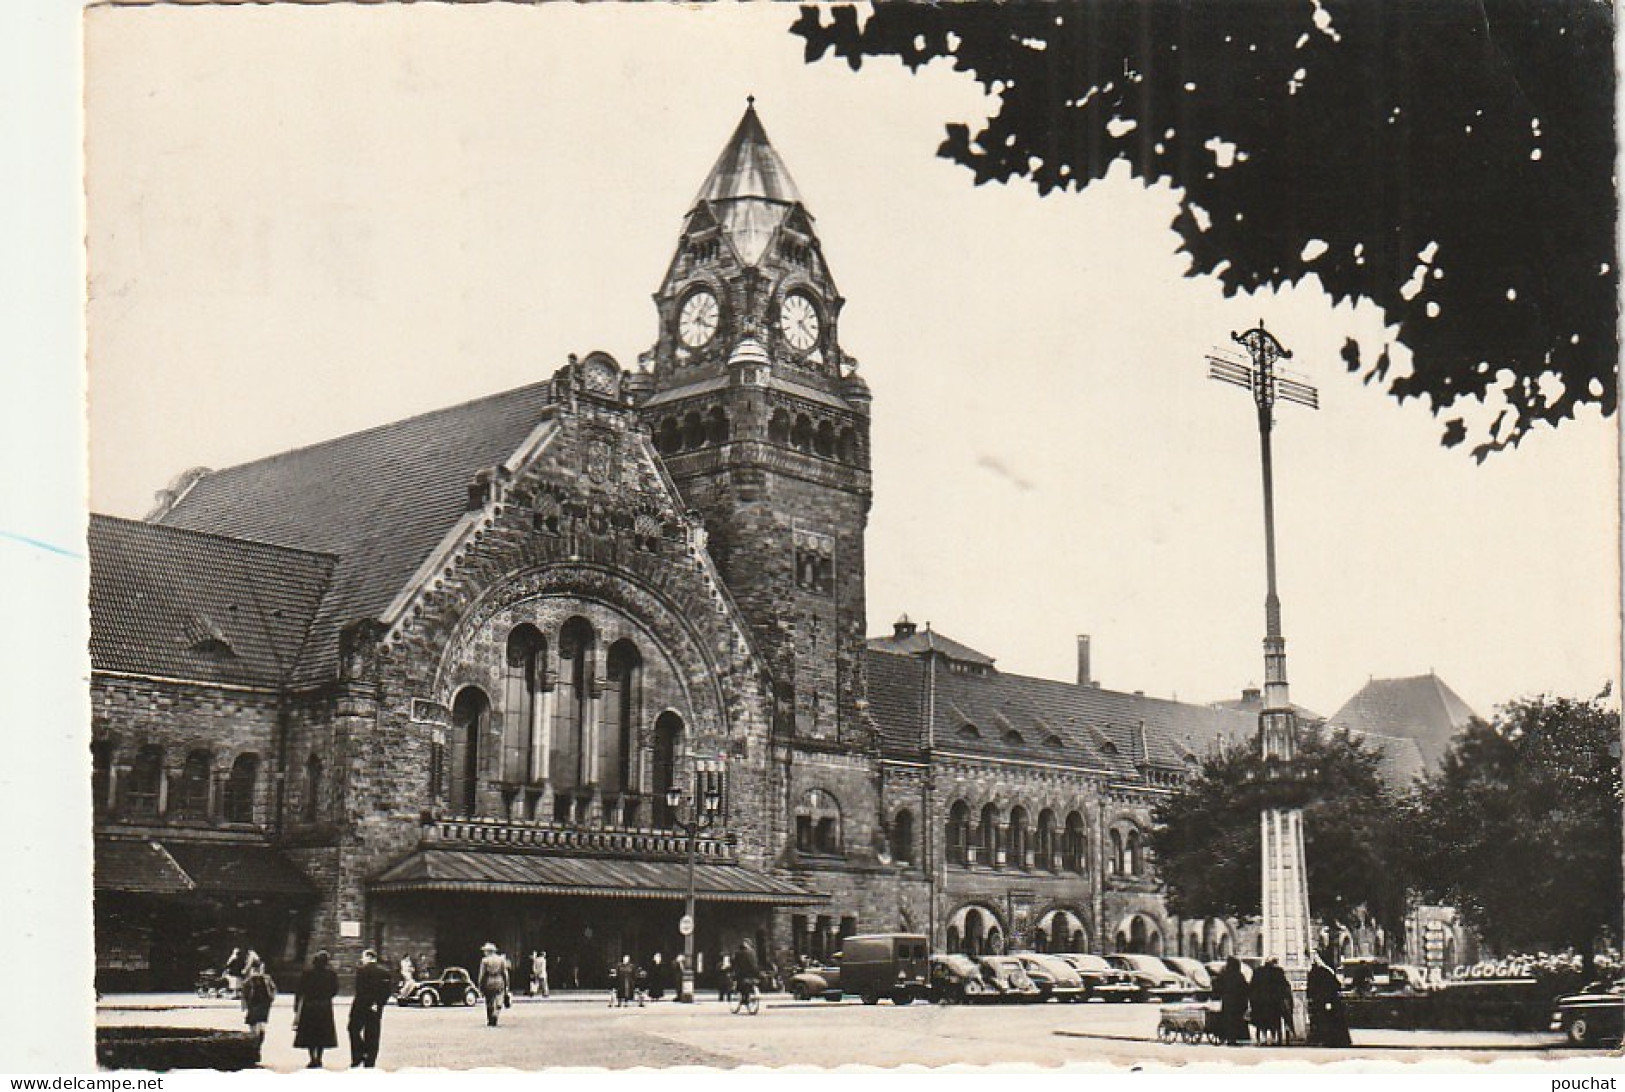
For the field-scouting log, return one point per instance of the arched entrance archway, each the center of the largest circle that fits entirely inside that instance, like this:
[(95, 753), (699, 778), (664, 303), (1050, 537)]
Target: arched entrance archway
[(1061, 930), (975, 931), (1138, 933)]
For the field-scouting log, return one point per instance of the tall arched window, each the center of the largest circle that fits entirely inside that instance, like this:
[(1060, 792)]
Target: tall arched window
[(622, 696), (192, 797), (958, 833), (716, 426), (572, 710), (145, 787), (902, 837), (818, 823), (1133, 853), (522, 676), (668, 752), (1073, 853), (778, 427), (1114, 858), (240, 787), (469, 713), (990, 835), (314, 788), (1020, 839), (1046, 840)]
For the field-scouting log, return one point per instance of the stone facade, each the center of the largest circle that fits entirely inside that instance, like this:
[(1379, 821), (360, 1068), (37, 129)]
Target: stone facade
[(619, 584)]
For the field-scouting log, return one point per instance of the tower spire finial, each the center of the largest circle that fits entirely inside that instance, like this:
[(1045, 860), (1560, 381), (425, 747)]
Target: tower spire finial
[(750, 100)]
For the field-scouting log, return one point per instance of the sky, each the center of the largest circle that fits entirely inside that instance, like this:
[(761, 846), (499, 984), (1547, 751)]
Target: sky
[(304, 221)]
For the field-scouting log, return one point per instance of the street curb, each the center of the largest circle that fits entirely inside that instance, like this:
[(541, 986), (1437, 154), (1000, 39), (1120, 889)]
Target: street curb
[(1288, 1052)]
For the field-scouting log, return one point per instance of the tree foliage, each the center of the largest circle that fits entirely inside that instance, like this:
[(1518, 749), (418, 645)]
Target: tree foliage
[(1520, 829), (1207, 839), (1450, 160)]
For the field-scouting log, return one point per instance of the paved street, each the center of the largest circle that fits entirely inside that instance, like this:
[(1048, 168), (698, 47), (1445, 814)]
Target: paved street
[(583, 1031)]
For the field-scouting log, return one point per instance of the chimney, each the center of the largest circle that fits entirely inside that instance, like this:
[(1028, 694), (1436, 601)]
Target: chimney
[(1084, 678), (902, 628)]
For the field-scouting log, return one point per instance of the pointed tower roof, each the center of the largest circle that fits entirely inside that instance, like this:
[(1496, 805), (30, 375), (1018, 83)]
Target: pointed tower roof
[(749, 167), (749, 189)]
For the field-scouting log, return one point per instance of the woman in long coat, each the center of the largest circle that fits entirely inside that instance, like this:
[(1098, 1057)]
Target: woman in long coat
[(1231, 988), (313, 1009), (1328, 1022), (1264, 1005)]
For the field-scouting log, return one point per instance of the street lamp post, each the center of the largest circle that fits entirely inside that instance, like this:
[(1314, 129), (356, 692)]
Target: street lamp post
[(1285, 876), (710, 807)]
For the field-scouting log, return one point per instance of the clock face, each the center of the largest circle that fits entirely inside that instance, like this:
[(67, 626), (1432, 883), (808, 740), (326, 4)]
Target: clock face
[(697, 322), (798, 322)]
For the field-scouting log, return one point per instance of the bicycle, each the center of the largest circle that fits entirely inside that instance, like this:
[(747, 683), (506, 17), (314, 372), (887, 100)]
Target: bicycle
[(748, 999)]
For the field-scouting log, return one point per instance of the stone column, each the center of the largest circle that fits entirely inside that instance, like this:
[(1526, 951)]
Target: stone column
[(544, 753)]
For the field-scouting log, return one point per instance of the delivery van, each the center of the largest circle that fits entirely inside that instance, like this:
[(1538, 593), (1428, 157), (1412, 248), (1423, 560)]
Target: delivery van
[(894, 965)]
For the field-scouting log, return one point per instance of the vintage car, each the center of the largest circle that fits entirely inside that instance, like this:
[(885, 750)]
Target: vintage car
[(957, 980), (452, 986), (1053, 976), (1154, 977), (816, 980), (1101, 979), (1594, 1015), (1006, 976), (1192, 970)]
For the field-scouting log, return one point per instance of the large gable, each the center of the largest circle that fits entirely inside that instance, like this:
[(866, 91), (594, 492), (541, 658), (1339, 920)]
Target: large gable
[(380, 501)]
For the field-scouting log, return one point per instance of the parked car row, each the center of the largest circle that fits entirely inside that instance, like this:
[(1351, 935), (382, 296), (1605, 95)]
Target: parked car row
[(896, 967)]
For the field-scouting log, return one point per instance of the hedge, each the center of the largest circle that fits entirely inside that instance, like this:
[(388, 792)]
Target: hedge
[(175, 1048)]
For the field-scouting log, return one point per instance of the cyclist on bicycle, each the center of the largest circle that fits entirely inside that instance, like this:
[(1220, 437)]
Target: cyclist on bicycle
[(746, 971)]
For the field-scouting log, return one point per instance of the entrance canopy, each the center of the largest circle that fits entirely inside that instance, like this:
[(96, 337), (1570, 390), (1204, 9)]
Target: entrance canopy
[(460, 870), (171, 867)]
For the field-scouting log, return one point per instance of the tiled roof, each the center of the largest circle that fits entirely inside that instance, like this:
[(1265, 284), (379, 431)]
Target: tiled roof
[(1421, 708), (508, 872), (897, 701), (1038, 720), (914, 642), (137, 866), (1400, 760), (379, 500), (226, 868), (173, 867), (182, 604)]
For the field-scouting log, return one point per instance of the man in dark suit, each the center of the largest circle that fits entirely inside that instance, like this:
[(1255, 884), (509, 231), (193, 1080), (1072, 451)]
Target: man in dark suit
[(374, 986)]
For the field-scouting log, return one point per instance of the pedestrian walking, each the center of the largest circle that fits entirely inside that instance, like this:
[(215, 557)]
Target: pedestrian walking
[(538, 974), (725, 979), (657, 978), (1263, 1005), (233, 970), (626, 976), (1231, 987), (1328, 1022), (313, 1009), (1281, 987), (259, 990), (493, 979), (374, 986)]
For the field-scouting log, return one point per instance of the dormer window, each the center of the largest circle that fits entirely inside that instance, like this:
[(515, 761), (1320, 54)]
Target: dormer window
[(970, 731), (1014, 738)]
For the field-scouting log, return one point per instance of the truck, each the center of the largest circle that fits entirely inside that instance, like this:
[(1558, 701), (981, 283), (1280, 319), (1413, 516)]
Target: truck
[(894, 965)]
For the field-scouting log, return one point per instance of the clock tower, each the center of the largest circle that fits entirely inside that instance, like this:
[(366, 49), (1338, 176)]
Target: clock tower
[(763, 424)]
